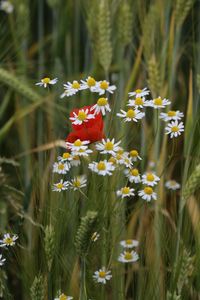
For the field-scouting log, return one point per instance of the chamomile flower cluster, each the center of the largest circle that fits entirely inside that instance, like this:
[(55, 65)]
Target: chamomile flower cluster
[(68, 160), (138, 102), (112, 156), (100, 87), (102, 156), (76, 183), (135, 104), (128, 255)]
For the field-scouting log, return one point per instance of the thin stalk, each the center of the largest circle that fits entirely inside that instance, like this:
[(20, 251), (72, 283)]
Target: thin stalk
[(157, 220), (40, 74), (83, 290)]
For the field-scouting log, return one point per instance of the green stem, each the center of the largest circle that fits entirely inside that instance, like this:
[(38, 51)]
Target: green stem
[(83, 290)]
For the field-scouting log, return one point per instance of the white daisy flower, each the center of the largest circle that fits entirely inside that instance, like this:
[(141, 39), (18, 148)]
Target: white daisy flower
[(131, 115), (104, 86), (172, 185), (134, 155), (77, 145), (8, 240), (102, 106), (82, 116), (95, 236), (133, 175), (128, 256), (70, 88), (158, 102), (90, 83), (126, 161), (108, 146), (75, 162), (123, 159), (78, 182), (147, 194), (102, 275), (2, 260), (139, 93), (46, 81), (113, 160), (129, 243), (150, 179), (102, 167), (171, 115), (66, 156), (137, 102), (117, 159), (174, 129), (82, 152), (6, 6), (60, 186), (63, 297), (121, 151), (61, 167), (125, 192)]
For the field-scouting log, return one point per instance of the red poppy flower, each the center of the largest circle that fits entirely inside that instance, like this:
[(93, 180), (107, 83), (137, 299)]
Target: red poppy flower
[(92, 130)]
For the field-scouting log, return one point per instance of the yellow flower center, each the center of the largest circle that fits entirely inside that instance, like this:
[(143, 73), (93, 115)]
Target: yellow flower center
[(109, 146), (59, 185), (126, 160), (148, 190), (101, 166), (129, 242), (82, 116), (91, 81), (120, 151), (112, 160), (102, 274), (128, 256), (102, 101), (78, 143), (133, 153), (63, 297), (66, 155), (134, 172), (77, 183), (175, 129), (158, 101), (138, 91), (8, 241), (104, 85), (46, 80), (118, 156), (130, 113), (61, 167), (172, 182), (75, 85), (125, 190), (76, 157), (139, 101), (150, 177), (171, 113)]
